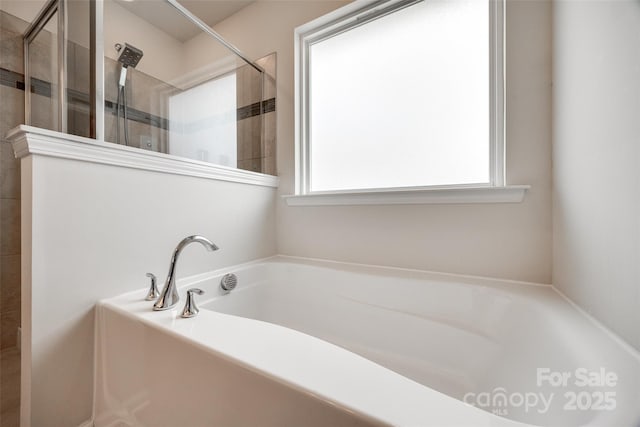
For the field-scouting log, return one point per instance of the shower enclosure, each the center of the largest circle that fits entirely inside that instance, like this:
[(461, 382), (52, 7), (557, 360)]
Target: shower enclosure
[(153, 76)]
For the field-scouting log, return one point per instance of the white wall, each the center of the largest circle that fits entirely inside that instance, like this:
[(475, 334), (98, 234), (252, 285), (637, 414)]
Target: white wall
[(94, 231), (596, 154), (509, 241)]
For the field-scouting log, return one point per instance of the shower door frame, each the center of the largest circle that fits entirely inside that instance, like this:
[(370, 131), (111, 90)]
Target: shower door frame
[(96, 58), (96, 49), (43, 18), (97, 61)]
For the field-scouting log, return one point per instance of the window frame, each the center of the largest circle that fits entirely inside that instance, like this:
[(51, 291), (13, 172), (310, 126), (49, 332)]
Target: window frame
[(359, 13)]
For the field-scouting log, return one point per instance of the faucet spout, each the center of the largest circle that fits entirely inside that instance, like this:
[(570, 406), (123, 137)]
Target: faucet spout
[(169, 296)]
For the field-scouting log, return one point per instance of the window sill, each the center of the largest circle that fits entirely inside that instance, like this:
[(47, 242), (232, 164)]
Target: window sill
[(452, 195)]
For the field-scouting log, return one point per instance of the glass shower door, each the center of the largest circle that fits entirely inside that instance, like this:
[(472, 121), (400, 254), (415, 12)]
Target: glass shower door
[(57, 68), (41, 72)]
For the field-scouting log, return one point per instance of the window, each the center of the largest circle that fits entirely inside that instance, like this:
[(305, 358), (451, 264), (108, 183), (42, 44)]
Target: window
[(401, 95)]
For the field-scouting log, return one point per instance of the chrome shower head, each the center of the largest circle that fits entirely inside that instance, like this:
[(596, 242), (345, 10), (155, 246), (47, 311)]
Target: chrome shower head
[(129, 55)]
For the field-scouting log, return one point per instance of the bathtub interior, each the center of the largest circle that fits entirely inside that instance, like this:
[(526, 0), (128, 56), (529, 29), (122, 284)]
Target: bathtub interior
[(455, 336)]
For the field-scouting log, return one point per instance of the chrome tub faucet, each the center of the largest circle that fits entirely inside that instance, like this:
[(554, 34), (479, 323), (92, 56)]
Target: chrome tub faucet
[(169, 295)]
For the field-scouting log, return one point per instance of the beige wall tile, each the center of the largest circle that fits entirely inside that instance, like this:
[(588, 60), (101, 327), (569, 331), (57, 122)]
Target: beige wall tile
[(8, 335), (254, 165), (78, 119), (269, 87), (9, 300), (9, 173), (109, 127), (138, 130), (10, 283), (78, 63), (248, 84), (243, 141), (10, 225), (11, 115), (11, 29), (10, 387), (111, 76), (42, 53), (269, 165), (11, 109), (146, 93), (43, 112), (255, 124), (270, 134), (249, 137), (257, 134)]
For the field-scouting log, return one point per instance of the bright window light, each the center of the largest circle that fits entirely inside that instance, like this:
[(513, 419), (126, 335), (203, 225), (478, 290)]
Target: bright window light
[(403, 100)]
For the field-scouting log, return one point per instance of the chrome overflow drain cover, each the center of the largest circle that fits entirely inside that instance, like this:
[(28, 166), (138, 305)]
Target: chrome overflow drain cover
[(228, 282)]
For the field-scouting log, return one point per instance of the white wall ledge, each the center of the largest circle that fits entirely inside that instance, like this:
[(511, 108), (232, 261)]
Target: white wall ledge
[(451, 195), (29, 140)]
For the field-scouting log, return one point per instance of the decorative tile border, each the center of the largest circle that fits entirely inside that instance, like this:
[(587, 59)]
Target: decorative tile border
[(255, 109), (138, 116), (11, 79), (268, 106)]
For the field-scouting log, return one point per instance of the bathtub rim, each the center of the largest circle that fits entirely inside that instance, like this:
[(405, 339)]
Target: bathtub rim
[(472, 415), (483, 418), (410, 273), (441, 409)]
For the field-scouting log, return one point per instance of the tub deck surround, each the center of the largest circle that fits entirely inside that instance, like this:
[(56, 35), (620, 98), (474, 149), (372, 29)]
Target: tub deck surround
[(128, 191), (28, 140), (372, 394), (505, 330)]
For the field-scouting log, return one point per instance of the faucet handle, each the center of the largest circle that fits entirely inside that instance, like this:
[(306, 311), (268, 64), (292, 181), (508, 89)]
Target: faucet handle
[(153, 289), (190, 307)]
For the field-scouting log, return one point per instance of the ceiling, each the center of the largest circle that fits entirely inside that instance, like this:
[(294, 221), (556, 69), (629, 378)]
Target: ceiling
[(162, 15)]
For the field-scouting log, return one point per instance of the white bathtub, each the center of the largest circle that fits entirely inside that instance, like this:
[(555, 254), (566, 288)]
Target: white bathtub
[(336, 344)]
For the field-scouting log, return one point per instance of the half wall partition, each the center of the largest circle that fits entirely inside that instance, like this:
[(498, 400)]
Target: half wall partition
[(153, 76)]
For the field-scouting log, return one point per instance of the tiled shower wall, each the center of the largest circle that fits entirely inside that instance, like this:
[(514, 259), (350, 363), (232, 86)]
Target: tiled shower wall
[(257, 120), (11, 115), (147, 103), (147, 106), (147, 99)]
